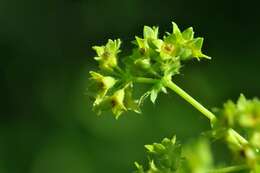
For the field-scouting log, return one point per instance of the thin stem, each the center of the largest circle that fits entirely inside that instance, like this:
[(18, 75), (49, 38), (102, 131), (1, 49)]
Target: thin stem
[(191, 100), (229, 169), (145, 80)]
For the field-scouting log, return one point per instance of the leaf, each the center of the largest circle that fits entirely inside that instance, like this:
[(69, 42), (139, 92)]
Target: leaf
[(153, 95), (157, 88)]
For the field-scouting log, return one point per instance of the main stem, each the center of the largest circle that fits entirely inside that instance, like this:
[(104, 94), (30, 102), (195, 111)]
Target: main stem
[(202, 109), (191, 100), (168, 83)]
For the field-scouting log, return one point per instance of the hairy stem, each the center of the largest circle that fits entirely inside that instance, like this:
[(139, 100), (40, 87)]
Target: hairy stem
[(229, 169)]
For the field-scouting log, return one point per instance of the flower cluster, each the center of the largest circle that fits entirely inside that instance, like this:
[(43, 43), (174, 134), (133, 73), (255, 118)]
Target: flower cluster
[(152, 60), (244, 117), (170, 157)]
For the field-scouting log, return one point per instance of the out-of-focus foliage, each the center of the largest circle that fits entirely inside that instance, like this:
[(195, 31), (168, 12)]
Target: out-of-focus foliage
[(243, 116), (169, 157)]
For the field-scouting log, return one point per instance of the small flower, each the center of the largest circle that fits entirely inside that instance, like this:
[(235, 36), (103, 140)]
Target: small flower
[(107, 55), (149, 34), (142, 45), (186, 46), (249, 112), (196, 46), (101, 85), (114, 102), (130, 103), (117, 103), (167, 50)]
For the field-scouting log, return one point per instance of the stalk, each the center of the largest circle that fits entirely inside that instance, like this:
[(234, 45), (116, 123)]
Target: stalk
[(145, 80), (201, 108), (191, 100)]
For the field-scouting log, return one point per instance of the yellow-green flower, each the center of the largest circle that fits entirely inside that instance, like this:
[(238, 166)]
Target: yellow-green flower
[(249, 112), (130, 103), (101, 85), (166, 50), (149, 34), (107, 55), (117, 103)]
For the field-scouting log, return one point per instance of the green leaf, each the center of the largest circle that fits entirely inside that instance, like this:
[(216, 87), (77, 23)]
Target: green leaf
[(157, 88)]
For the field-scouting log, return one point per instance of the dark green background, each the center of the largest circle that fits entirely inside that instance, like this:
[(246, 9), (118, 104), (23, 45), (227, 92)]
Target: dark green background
[(47, 125)]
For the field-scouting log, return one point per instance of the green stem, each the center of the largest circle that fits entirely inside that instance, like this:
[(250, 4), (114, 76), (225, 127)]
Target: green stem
[(145, 80), (202, 109), (191, 100), (229, 169)]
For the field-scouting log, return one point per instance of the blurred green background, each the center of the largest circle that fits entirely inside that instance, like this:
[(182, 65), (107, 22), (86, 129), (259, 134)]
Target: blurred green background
[(47, 125)]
